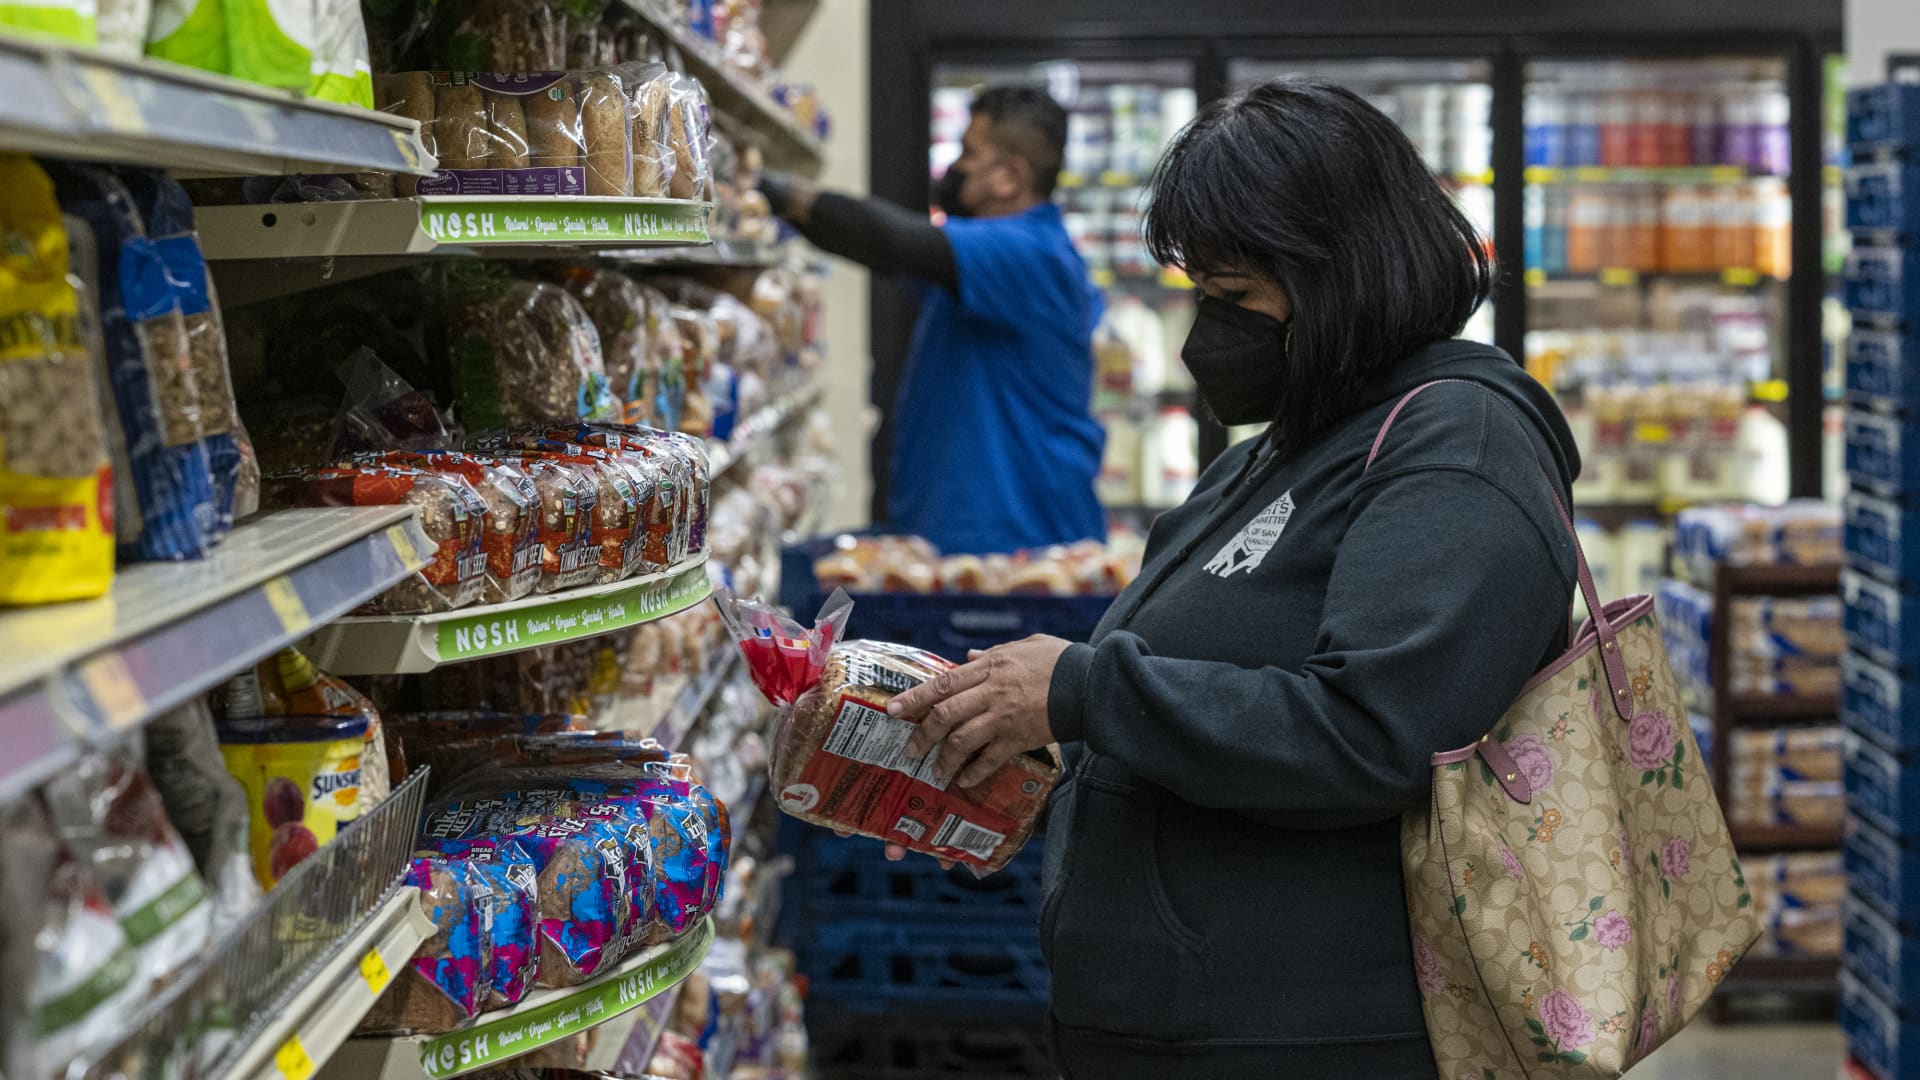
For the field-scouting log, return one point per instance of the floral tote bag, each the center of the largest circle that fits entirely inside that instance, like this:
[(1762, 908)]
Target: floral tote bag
[(1572, 890)]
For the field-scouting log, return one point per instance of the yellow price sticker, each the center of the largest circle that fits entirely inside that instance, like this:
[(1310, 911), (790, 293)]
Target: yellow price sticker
[(114, 691), (374, 970), (1536, 276), (117, 106), (1726, 174), (1618, 275), (1115, 178), (1652, 433), (286, 603), (1102, 277), (1541, 174), (1071, 179), (293, 1060), (1589, 174), (1740, 275), (402, 542), (1172, 277)]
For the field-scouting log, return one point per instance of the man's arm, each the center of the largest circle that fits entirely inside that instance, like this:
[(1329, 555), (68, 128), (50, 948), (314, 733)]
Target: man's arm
[(878, 235)]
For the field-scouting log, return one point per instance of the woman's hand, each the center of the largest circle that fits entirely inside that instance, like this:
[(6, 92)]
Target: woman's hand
[(984, 711)]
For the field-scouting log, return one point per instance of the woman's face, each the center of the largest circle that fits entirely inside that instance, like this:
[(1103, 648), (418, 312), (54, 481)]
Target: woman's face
[(1250, 291)]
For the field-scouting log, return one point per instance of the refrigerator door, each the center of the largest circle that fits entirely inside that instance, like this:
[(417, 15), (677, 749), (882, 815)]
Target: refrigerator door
[(1658, 245), (1445, 106), (1120, 114)]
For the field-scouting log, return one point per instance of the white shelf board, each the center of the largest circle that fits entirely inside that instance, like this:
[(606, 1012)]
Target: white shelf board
[(73, 672), (320, 1017), (610, 1006), (405, 644), (736, 96), (448, 224), (70, 102)]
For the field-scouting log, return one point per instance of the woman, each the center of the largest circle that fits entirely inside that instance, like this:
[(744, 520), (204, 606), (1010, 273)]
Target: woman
[(1250, 720)]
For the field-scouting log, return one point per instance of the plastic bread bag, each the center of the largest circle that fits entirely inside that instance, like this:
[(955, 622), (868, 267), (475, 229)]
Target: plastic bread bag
[(517, 131), (580, 877), (565, 501), (450, 510), (526, 352), (667, 516), (382, 411), (76, 21), (621, 494), (839, 760), (207, 806), (446, 983), (512, 538), (501, 35), (618, 309), (168, 214), (688, 132), (108, 813), (121, 27), (666, 362), (154, 384), (82, 978), (650, 89), (340, 70), (513, 916), (55, 478)]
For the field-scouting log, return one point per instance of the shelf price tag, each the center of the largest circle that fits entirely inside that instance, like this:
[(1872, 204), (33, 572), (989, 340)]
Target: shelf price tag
[(117, 106), (373, 968), (292, 1059), (1618, 275), (1740, 275), (287, 605), (404, 142), (402, 542), (1536, 276), (113, 689)]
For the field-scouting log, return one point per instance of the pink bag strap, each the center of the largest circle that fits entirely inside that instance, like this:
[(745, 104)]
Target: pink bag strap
[(1610, 659)]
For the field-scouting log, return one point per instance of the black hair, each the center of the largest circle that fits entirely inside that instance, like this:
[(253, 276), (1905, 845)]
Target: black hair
[(1028, 124), (1303, 182)]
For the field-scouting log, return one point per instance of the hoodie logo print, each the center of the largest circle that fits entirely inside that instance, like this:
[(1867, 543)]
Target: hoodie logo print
[(1249, 547)]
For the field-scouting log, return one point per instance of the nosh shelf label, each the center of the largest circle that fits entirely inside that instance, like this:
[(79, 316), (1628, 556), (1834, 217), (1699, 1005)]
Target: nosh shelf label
[(536, 221), (565, 620)]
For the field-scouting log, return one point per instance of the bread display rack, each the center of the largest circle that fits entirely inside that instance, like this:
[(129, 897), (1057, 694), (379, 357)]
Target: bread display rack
[(523, 225), (71, 673)]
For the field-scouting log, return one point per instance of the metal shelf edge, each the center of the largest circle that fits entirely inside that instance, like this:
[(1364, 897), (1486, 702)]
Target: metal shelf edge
[(533, 225)]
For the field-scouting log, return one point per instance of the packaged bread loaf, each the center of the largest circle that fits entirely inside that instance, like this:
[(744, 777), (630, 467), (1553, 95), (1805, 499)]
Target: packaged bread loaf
[(526, 352), (678, 507), (687, 133), (618, 309), (409, 94), (604, 132), (565, 500), (618, 498), (650, 89), (519, 131), (56, 530), (512, 535), (512, 914), (450, 510), (446, 983)]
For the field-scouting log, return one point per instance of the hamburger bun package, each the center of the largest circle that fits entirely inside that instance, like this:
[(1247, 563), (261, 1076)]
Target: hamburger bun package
[(839, 760)]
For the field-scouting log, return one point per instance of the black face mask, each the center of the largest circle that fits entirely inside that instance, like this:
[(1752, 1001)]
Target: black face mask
[(1238, 358), (946, 193)]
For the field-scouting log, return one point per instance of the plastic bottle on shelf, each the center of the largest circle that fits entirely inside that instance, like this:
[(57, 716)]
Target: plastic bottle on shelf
[(1586, 221), (1676, 128), (1644, 239), (1703, 135), (1546, 127), (1170, 457), (1640, 553), (1773, 228), (1644, 139), (1681, 237), (1733, 226), (1583, 130), (1534, 215), (1616, 130), (1553, 242), (1762, 452), (1119, 481), (1738, 127), (1773, 141)]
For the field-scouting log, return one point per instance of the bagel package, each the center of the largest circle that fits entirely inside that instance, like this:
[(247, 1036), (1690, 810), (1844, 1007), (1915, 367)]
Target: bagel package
[(841, 761)]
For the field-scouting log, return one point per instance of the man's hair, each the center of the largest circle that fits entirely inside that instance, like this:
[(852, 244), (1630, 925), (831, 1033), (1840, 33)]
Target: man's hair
[(1303, 182), (1030, 125)]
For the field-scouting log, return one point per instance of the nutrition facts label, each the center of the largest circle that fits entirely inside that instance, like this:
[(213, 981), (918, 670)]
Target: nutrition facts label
[(867, 735)]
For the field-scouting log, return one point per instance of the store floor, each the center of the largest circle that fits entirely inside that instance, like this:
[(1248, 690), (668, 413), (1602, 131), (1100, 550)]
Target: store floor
[(1748, 1051)]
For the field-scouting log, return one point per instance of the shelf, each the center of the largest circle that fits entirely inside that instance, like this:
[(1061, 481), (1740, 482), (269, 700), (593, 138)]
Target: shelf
[(1739, 277), (690, 704), (408, 644), (736, 96), (1781, 580), (1680, 174), (611, 1003), (1749, 838), (1788, 974), (320, 1017), (727, 254), (1784, 708), (168, 631), (69, 102), (448, 224), (754, 433)]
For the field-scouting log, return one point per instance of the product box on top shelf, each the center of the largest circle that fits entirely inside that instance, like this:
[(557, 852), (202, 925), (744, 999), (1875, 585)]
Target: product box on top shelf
[(1882, 284), (1882, 621), (1885, 117), (1883, 369), (1873, 702)]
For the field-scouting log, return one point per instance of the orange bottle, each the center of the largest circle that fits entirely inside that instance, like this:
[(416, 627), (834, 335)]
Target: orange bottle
[(1644, 244), (1773, 229), (1585, 216)]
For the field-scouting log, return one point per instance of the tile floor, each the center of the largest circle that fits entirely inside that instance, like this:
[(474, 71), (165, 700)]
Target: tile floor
[(1750, 1050)]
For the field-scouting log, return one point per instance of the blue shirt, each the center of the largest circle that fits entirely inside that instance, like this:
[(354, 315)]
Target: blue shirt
[(995, 447)]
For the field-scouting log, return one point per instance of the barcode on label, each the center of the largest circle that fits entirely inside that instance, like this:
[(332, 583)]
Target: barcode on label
[(871, 737), (911, 828), (962, 835), (863, 671)]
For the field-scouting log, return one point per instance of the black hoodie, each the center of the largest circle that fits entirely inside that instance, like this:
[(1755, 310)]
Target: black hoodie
[(1254, 714)]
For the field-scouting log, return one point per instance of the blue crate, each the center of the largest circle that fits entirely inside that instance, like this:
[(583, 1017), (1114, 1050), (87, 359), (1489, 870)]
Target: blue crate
[(1881, 621), (1883, 369), (1876, 531), (836, 878), (1883, 1040), (1885, 117), (1882, 453), (1874, 702), (1880, 287), (865, 965), (1882, 871), (1880, 789), (945, 623), (1884, 197), (1880, 954), (925, 1047)]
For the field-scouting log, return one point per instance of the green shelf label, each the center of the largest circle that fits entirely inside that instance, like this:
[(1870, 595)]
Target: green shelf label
[(567, 619), (586, 1006), (560, 221)]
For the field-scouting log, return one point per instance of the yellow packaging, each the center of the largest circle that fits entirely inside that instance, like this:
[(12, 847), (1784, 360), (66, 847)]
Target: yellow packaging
[(302, 777), (56, 491)]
